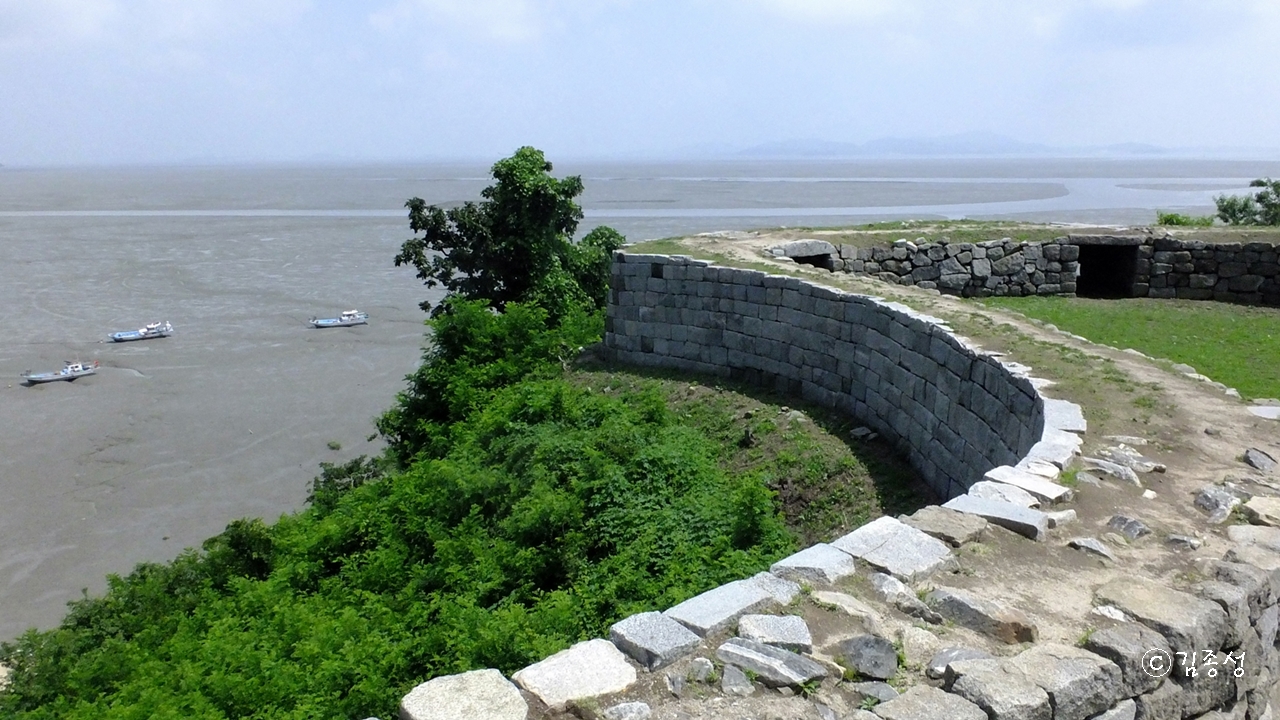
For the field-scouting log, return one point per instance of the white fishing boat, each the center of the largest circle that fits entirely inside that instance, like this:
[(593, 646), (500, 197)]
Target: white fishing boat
[(151, 330), (346, 319), (69, 372)]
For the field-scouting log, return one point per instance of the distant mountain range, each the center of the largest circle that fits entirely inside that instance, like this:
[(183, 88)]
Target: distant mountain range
[(965, 144)]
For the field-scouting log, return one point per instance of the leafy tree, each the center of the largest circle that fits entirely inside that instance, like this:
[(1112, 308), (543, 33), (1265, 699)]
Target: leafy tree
[(514, 246), (1262, 208), (474, 352)]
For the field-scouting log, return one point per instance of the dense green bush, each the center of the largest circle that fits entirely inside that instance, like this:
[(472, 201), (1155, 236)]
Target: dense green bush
[(1170, 218), (474, 352), (554, 512), (1262, 208)]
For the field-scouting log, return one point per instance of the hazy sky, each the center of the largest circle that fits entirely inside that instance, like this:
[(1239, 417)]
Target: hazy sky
[(90, 81)]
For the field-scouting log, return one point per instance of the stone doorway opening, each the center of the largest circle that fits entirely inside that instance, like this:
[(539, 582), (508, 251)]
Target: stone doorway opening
[(1107, 271)]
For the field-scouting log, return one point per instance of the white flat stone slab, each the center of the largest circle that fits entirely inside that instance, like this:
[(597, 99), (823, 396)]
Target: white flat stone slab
[(1055, 447), (1269, 412), (475, 695), (819, 563), (1042, 468), (895, 547), (720, 607), (586, 670), (1024, 521), (1047, 492), (789, 632), (653, 639), (1064, 416), (991, 490), (781, 590)]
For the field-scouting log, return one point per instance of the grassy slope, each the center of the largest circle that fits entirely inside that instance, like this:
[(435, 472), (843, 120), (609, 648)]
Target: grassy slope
[(1236, 345)]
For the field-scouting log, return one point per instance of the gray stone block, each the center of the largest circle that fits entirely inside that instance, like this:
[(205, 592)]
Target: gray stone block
[(773, 666), (1127, 645), (1000, 492), (1005, 694), (1189, 623), (720, 607), (954, 528), (937, 666), (819, 563), (475, 695), (896, 547), (789, 632), (1079, 683), (653, 639), (982, 615), (1024, 521), (1047, 492), (869, 656), (923, 702), (586, 670)]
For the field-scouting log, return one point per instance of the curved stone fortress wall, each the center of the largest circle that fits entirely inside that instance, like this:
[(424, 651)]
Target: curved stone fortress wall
[(1085, 265), (955, 412)]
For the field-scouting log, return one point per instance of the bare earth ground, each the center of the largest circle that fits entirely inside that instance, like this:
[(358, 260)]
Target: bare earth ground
[(1122, 393), (176, 437)]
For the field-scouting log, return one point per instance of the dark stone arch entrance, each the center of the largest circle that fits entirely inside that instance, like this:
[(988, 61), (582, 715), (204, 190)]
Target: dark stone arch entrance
[(1107, 271)]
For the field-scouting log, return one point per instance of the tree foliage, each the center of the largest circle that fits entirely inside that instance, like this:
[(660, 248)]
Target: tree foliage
[(516, 245), (554, 512), (1261, 208)]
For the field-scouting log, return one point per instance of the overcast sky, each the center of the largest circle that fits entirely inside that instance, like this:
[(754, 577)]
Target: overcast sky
[(109, 81)]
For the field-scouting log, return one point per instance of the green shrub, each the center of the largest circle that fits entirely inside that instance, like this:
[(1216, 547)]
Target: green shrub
[(1169, 218), (1262, 208)]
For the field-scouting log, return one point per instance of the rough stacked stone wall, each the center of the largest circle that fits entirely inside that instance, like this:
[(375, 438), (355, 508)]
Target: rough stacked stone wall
[(995, 267), (954, 412), (1245, 273), (1228, 272)]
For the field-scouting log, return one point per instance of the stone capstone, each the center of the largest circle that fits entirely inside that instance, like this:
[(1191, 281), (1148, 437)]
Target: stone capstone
[(989, 490), (774, 667), (475, 695), (1024, 521), (1189, 623), (586, 670), (806, 248), (896, 548), (788, 632), (653, 639), (869, 655), (819, 563), (720, 607), (1063, 415), (1039, 487), (949, 526), (1004, 694), (1127, 645), (928, 703), (1079, 683), (981, 615)]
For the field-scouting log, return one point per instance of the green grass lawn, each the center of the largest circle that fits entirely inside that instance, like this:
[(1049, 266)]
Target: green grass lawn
[(1233, 344)]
